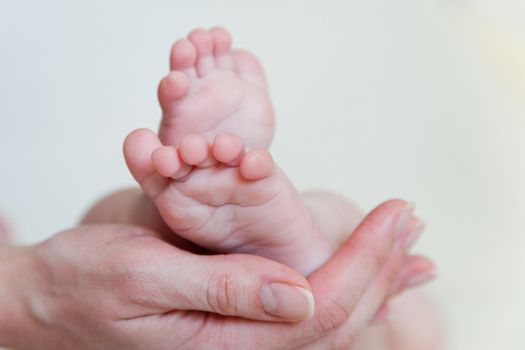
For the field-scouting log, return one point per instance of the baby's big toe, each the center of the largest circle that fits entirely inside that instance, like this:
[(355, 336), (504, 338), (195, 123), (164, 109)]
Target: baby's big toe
[(138, 149), (183, 57), (172, 87)]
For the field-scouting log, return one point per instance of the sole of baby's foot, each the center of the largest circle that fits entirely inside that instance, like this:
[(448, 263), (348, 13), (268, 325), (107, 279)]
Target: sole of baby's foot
[(212, 89), (227, 199)]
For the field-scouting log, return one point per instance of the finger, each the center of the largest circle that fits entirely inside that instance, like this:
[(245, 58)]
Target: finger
[(373, 305), (337, 286), (417, 270), (382, 314), (413, 229), (232, 285), (341, 282), (371, 302)]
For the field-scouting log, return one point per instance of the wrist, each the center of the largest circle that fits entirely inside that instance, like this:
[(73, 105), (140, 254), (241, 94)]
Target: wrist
[(17, 278)]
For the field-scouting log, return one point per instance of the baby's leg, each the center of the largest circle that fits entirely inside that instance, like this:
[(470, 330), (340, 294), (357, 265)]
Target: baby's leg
[(335, 215)]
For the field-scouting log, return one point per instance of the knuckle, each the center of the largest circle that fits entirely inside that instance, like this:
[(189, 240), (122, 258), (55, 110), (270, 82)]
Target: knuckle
[(223, 293), (380, 259), (331, 315), (390, 275)]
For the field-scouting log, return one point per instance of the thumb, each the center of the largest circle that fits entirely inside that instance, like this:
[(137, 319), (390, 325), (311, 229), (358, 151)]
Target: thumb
[(233, 285)]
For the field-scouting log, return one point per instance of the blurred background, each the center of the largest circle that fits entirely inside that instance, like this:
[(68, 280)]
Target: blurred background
[(419, 99)]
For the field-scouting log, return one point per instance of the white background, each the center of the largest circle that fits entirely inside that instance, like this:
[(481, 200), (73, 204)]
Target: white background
[(419, 99)]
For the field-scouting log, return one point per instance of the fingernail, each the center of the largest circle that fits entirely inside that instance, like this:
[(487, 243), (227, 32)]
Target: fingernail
[(418, 280), (287, 301), (404, 217), (414, 235)]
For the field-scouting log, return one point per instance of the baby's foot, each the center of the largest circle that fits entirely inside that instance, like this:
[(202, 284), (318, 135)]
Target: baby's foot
[(225, 199), (212, 90)]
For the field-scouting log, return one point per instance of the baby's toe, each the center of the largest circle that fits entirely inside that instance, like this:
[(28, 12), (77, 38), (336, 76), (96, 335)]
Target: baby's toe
[(138, 147), (194, 150), (228, 149), (257, 165), (168, 163), (203, 42), (172, 87), (222, 48), (183, 57)]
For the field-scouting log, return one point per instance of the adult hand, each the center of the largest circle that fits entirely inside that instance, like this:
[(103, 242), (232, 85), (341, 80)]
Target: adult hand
[(124, 287)]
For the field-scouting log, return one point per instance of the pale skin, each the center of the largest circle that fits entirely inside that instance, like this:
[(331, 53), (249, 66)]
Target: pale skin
[(209, 173), (114, 286), (200, 174), (226, 199), (117, 286)]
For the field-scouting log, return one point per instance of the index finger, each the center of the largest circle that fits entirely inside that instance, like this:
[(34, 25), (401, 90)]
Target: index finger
[(341, 283)]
